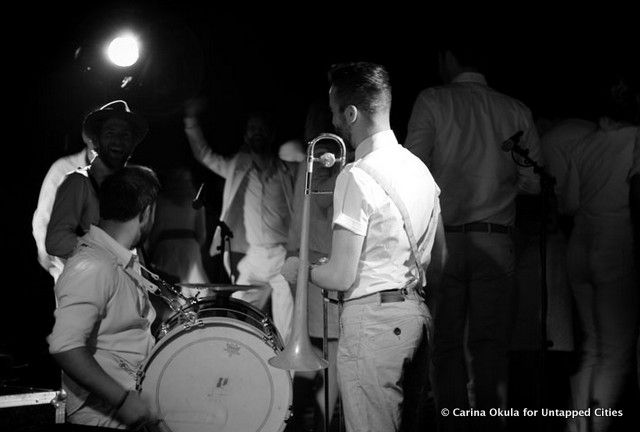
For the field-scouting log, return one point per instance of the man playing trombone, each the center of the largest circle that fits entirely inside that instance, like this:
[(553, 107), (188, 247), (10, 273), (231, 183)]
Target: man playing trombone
[(376, 262)]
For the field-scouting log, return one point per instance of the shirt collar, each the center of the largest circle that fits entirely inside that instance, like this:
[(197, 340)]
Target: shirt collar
[(470, 77), (123, 256), (374, 142)]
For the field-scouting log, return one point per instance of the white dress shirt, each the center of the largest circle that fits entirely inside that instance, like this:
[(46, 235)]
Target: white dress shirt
[(266, 214), (363, 207), (557, 145), (457, 131), (597, 188), (102, 305)]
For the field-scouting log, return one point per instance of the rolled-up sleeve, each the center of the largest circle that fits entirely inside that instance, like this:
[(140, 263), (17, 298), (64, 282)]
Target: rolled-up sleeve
[(82, 292), (66, 216), (350, 208)]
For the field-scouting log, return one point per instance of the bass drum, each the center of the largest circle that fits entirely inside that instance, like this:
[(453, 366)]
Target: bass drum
[(209, 370)]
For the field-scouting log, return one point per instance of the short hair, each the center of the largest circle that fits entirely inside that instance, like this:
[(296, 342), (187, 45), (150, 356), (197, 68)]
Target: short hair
[(472, 54), (620, 99), (127, 192), (362, 84)]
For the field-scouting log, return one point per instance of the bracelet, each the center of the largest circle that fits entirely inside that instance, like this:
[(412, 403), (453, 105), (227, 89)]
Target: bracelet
[(122, 400)]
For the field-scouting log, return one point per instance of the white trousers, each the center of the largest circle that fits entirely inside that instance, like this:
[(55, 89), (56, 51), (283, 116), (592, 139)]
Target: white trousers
[(261, 266)]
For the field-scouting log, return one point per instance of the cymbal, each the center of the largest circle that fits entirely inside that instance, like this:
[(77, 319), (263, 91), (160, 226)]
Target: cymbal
[(218, 287)]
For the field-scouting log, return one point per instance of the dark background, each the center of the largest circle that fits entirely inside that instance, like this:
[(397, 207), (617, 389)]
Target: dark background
[(54, 73)]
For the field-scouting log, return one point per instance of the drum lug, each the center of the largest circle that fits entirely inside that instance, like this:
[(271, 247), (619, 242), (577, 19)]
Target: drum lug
[(193, 323), (164, 329), (190, 319), (270, 337), (270, 340), (289, 417)]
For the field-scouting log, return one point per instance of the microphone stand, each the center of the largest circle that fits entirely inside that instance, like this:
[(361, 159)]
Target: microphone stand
[(547, 183), (225, 237)]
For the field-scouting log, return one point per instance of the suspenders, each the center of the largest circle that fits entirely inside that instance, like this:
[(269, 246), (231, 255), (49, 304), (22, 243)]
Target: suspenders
[(427, 238)]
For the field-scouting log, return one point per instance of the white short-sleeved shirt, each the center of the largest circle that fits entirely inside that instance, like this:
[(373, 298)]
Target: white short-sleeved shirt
[(362, 206)]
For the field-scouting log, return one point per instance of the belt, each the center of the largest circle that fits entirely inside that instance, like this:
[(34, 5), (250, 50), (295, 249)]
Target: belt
[(387, 296), (479, 227)]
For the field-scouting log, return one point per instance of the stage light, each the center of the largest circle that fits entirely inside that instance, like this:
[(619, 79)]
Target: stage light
[(123, 51)]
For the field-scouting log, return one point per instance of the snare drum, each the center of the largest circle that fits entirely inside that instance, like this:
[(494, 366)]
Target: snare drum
[(209, 370)]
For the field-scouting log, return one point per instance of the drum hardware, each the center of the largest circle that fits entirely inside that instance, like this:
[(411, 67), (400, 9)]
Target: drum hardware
[(218, 288), (271, 336)]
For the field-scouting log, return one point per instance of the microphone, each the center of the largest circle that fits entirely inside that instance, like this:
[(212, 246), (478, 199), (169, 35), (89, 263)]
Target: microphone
[(511, 142), (327, 160), (198, 200)]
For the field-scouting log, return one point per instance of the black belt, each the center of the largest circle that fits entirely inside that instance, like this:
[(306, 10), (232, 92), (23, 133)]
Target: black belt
[(479, 227), (387, 296)]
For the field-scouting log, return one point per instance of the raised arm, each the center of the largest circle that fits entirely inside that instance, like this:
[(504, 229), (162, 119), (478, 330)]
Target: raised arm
[(201, 150)]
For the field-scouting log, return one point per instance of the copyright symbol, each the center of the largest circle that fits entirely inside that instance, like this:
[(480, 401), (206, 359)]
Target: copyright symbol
[(444, 412)]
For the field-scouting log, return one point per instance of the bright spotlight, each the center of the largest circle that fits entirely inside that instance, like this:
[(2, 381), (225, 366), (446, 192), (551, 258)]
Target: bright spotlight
[(123, 51)]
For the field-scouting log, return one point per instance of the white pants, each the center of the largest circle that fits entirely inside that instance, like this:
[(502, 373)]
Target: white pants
[(261, 266), (605, 289)]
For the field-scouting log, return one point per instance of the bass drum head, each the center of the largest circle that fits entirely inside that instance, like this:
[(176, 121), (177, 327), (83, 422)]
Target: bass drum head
[(216, 377)]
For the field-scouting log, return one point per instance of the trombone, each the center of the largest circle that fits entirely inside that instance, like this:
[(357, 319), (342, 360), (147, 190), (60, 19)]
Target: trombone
[(298, 354)]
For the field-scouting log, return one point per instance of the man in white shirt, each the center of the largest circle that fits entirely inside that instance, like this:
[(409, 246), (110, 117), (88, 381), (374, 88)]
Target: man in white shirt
[(457, 130), (55, 176), (102, 325), (380, 271), (256, 205), (601, 266)]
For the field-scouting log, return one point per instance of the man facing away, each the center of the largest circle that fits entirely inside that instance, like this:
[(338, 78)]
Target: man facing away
[(457, 130), (102, 326), (376, 263)]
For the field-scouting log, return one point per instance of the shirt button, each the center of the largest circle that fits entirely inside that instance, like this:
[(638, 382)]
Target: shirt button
[(397, 331)]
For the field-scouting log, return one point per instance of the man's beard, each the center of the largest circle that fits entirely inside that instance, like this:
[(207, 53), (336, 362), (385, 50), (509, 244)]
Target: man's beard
[(344, 133), (113, 163)]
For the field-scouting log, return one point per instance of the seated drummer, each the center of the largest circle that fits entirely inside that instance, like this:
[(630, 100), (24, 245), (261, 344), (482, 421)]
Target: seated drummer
[(102, 331)]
